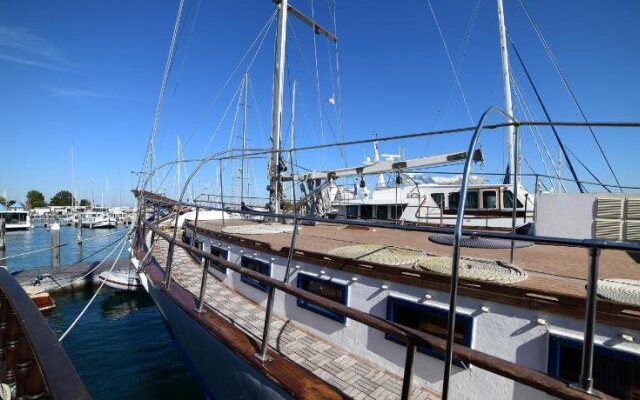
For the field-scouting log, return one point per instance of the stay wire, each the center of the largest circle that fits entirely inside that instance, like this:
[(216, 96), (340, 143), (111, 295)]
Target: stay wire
[(453, 68), (555, 63), (167, 69)]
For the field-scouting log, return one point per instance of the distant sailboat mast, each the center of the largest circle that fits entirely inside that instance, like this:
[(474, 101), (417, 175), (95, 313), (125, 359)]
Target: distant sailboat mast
[(508, 103)]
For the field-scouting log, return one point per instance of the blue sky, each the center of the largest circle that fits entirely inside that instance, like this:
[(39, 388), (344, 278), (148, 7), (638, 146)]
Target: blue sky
[(86, 75)]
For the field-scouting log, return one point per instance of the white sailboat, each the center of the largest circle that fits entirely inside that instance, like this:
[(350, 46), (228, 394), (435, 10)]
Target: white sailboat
[(334, 309)]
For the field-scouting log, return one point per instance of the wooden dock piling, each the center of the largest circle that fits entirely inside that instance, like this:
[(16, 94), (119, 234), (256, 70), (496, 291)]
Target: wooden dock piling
[(55, 245)]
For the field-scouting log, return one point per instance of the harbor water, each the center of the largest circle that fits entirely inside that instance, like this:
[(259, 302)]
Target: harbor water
[(121, 348)]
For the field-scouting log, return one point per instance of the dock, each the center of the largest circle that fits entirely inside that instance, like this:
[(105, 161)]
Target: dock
[(77, 276)]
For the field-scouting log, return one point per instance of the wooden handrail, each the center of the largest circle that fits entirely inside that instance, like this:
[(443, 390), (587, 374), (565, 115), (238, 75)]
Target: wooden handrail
[(507, 369), (27, 337)]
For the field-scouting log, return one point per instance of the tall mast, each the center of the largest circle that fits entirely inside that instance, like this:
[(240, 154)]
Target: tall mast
[(508, 104), (276, 119), (292, 130), (244, 135)]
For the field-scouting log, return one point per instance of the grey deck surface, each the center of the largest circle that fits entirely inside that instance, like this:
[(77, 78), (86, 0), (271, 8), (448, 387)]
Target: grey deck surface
[(356, 378)]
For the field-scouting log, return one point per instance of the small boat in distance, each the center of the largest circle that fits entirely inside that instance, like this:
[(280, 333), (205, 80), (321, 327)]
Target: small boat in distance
[(98, 219), (15, 217)]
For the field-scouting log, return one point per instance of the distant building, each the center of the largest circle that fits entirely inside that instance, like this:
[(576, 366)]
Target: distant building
[(16, 207)]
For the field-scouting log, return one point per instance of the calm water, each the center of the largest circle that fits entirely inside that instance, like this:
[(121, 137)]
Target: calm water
[(121, 348), (18, 242)]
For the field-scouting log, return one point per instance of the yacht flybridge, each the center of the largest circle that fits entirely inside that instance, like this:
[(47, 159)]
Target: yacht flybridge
[(416, 199)]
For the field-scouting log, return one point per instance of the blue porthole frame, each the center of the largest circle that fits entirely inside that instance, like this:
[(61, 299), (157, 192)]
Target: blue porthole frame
[(252, 282), (557, 341), (318, 309), (224, 253), (468, 332)]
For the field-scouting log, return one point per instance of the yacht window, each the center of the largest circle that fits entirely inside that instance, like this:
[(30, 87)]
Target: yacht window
[(507, 200), (615, 372), (454, 198), (186, 239), (489, 199), (381, 212), (438, 198), (397, 210), (198, 245), (352, 212), (472, 199), (218, 252), (430, 320), (366, 211), (325, 288), (260, 266)]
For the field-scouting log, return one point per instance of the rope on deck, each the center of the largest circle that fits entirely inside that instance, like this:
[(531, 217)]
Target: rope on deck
[(473, 268), (260, 229), (477, 242), (381, 254), (622, 290)]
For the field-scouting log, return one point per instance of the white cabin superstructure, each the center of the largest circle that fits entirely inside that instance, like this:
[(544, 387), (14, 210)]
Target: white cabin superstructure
[(98, 219), (16, 219), (488, 205)]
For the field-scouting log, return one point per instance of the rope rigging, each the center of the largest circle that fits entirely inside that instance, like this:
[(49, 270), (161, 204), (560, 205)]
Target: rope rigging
[(556, 65), (460, 59), (453, 68), (546, 113), (86, 307), (535, 132), (148, 163)]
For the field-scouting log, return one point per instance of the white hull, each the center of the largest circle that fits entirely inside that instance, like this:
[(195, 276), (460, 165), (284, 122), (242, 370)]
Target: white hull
[(100, 224), (120, 280), (16, 220)]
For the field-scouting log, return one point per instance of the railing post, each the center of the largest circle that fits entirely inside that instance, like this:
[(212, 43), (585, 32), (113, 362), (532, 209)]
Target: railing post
[(586, 372), (195, 226), (267, 326), (457, 235), (221, 190), (516, 173), (203, 285), (408, 370), (292, 249), (153, 233)]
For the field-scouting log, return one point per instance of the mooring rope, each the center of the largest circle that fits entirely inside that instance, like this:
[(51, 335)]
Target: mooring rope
[(86, 307), (92, 269)]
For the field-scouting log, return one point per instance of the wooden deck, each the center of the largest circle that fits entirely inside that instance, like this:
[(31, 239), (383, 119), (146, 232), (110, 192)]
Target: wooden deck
[(351, 376), (557, 276)]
